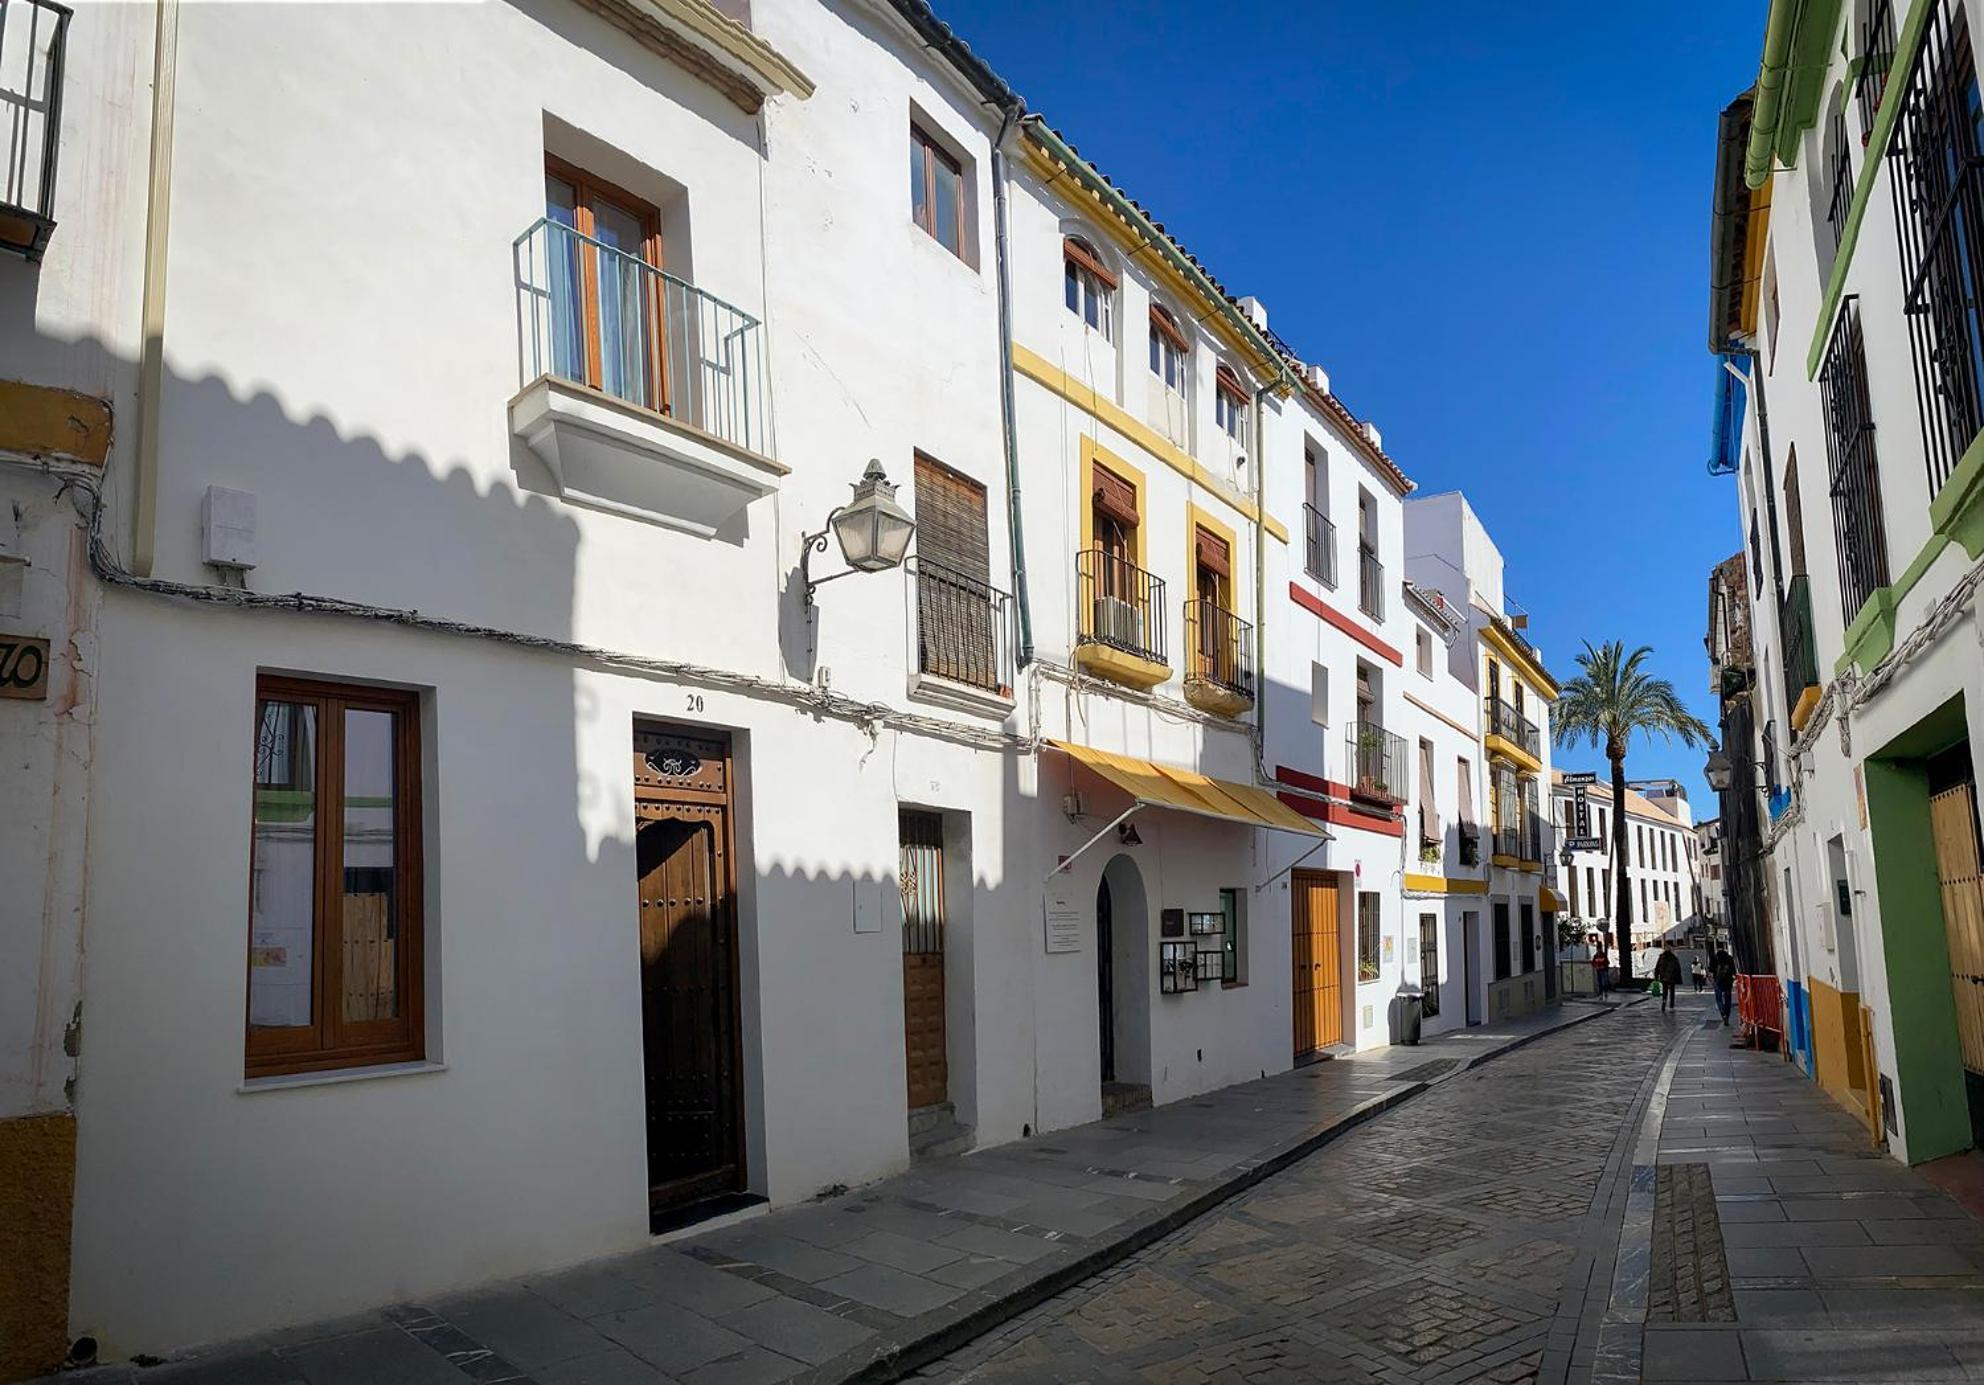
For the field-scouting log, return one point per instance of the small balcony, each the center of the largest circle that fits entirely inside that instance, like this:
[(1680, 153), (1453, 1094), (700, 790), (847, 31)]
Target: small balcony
[(1801, 661), (33, 37), (1120, 610), (1468, 837), (964, 644), (1513, 735), (1377, 762), (1370, 582), (1219, 659), (643, 395), (1319, 549)]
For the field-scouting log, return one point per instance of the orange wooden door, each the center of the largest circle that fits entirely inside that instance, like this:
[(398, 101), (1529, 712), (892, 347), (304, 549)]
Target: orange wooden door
[(922, 882), (1315, 969)]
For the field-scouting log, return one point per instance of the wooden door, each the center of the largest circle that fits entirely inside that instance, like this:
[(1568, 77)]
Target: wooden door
[(1953, 824), (922, 881), (688, 966), (1316, 969)]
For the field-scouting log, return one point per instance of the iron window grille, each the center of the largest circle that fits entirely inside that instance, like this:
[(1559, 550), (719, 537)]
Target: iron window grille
[(1429, 965), (1876, 60), (963, 627), (1122, 605), (1370, 582), (1378, 761), (1512, 726), (1856, 496), (1938, 188), (1801, 663), (33, 39), (1319, 557), (1839, 177), (1219, 648)]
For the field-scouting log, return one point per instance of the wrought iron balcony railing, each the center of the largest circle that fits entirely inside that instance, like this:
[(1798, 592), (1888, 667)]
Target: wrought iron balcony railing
[(1512, 726), (963, 627), (1801, 659), (1319, 553), (1508, 840), (1120, 605), (1218, 648), (1859, 528), (1377, 761), (1876, 60), (33, 37), (598, 316), (1370, 582)]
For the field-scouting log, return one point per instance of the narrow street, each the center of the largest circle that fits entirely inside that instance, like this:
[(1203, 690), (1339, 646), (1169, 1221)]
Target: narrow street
[(1467, 1235)]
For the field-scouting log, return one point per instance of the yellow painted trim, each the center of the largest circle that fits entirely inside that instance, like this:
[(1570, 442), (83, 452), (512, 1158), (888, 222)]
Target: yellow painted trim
[(1106, 661), (1753, 256), (1041, 371), (1532, 672), (1432, 711), (1808, 702), (1196, 519), (1445, 884), (1093, 453), (44, 422), (1211, 697), (1504, 861), (1206, 312), (1510, 751), (1532, 867)]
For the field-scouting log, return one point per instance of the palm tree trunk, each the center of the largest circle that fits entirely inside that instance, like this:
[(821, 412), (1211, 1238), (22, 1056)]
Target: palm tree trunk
[(1622, 912)]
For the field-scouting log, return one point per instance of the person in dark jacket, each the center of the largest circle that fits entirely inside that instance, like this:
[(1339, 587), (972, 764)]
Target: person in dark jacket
[(1667, 971), (1722, 971)]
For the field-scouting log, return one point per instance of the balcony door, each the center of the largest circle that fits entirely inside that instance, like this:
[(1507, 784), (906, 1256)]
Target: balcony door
[(606, 293)]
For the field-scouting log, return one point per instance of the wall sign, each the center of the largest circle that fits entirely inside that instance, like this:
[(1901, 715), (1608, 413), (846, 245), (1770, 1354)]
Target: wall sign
[(1063, 922), (23, 667)]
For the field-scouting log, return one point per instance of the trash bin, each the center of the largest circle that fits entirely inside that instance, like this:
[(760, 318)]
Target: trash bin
[(1412, 1012)]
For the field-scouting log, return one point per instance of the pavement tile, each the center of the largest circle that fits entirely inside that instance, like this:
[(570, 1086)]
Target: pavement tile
[(1732, 1211), (613, 1366), (798, 1330), (1006, 1245), (589, 1291), (902, 1252), (755, 1366), (1692, 1354), (1864, 1262), (688, 1283), (891, 1290), (1795, 1233), (524, 1328), (384, 1356), (671, 1338), (1780, 1305), (807, 1263), (1857, 1354), (1772, 1262)]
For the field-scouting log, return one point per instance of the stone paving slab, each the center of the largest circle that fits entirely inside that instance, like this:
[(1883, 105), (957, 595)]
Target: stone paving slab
[(872, 1284)]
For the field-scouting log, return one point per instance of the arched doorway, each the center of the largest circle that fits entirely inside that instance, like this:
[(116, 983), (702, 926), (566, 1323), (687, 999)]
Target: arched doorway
[(1123, 972), (1105, 979)]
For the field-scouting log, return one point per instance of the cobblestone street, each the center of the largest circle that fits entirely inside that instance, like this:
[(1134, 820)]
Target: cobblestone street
[(1468, 1235)]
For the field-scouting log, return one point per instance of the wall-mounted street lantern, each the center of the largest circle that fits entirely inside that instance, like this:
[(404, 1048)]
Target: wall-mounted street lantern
[(1719, 772), (873, 531)]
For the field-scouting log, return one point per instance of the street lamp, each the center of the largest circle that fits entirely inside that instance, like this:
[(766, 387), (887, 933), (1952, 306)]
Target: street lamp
[(1719, 771), (873, 531)]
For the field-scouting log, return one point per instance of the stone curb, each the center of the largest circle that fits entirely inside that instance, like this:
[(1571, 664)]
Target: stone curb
[(937, 1334)]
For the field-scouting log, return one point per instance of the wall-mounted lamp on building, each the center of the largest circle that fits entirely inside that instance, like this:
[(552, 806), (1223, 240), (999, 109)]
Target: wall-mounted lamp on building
[(1126, 834), (873, 531), (1719, 771)]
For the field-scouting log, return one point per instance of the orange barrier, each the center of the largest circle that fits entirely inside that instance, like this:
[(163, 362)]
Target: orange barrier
[(1760, 1008)]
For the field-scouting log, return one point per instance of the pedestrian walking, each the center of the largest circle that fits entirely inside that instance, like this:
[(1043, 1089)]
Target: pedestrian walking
[(1600, 978), (1722, 970), (1699, 976), (1667, 971)]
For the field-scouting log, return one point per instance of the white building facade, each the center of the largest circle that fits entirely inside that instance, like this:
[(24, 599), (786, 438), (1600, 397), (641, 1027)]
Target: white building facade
[(476, 751)]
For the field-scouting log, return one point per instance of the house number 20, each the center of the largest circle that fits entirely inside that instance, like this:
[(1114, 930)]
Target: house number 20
[(23, 666), (695, 702)]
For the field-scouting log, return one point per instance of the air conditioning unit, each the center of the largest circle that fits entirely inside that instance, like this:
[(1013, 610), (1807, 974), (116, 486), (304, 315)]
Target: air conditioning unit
[(1118, 622)]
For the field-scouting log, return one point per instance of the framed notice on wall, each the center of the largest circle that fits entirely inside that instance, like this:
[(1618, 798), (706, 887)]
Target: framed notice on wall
[(1062, 920)]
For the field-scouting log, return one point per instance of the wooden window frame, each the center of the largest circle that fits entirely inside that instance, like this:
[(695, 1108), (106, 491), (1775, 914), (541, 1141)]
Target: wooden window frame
[(329, 1042), (928, 149), (588, 191)]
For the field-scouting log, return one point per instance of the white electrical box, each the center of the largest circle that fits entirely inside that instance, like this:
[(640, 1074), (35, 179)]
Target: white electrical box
[(227, 522)]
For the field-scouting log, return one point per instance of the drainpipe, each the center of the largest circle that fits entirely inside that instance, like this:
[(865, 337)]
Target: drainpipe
[(151, 362), (1261, 579), (1008, 421), (1774, 81)]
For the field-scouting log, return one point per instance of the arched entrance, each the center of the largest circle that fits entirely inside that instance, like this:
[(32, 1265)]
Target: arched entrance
[(1123, 974)]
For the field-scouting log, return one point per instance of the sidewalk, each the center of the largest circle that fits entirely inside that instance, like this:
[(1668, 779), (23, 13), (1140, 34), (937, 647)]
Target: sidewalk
[(883, 1279), (1780, 1246)]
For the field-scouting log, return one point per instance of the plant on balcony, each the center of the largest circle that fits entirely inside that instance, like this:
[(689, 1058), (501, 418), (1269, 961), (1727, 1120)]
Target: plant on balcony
[(1612, 699), (1371, 762), (1429, 852)]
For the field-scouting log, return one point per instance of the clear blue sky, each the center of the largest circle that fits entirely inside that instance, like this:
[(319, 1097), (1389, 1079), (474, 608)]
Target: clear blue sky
[(1489, 224)]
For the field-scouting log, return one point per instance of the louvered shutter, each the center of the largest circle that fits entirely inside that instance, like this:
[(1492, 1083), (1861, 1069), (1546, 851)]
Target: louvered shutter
[(957, 610)]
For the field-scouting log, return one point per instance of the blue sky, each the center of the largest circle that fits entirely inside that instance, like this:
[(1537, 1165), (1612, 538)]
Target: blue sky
[(1489, 224)]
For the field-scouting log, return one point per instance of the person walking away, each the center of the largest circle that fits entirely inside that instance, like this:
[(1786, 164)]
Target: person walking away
[(1695, 971), (1722, 971), (1599, 962), (1667, 971)]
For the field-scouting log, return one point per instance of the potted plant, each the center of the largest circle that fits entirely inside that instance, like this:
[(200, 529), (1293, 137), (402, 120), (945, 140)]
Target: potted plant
[(1371, 761)]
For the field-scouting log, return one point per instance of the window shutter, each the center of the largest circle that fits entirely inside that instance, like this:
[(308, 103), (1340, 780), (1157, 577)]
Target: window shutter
[(1078, 252), (1229, 384), (1213, 554), (1115, 497), (1161, 322), (950, 521)]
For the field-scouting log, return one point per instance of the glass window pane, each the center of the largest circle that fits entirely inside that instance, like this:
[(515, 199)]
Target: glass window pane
[(947, 206), (623, 319), (1071, 290), (368, 905), (561, 252), (1155, 366), (919, 156), (282, 887)]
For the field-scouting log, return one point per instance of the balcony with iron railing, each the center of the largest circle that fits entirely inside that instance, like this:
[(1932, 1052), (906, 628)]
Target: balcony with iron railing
[(1378, 764), (1877, 41), (33, 41), (1370, 582), (1120, 609), (1512, 735), (1469, 840), (964, 644), (1219, 659), (1319, 550), (643, 394), (1801, 657)]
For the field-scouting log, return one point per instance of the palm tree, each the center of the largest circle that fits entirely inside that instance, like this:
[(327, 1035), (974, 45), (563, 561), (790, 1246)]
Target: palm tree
[(1604, 706)]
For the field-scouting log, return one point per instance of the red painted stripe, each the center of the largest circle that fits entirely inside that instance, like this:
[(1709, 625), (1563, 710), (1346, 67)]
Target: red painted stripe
[(1302, 779), (1307, 599), (1339, 815)]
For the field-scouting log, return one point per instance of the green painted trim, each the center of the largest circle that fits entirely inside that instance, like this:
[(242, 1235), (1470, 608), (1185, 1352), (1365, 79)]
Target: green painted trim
[(1958, 508), (1871, 635), (1790, 79), (1929, 1081), (1908, 41)]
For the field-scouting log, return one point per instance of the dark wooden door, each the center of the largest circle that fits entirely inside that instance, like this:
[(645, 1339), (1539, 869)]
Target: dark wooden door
[(1105, 980), (1316, 971), (923, 1034), (688, 966)]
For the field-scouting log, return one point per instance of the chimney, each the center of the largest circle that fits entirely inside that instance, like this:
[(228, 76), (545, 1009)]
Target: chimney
[(1256, 311), (1371, 432), (1317, 377)]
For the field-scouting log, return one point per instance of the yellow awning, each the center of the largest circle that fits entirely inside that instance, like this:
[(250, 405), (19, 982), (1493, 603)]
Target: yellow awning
[(1551, 904), (1182, 790)]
